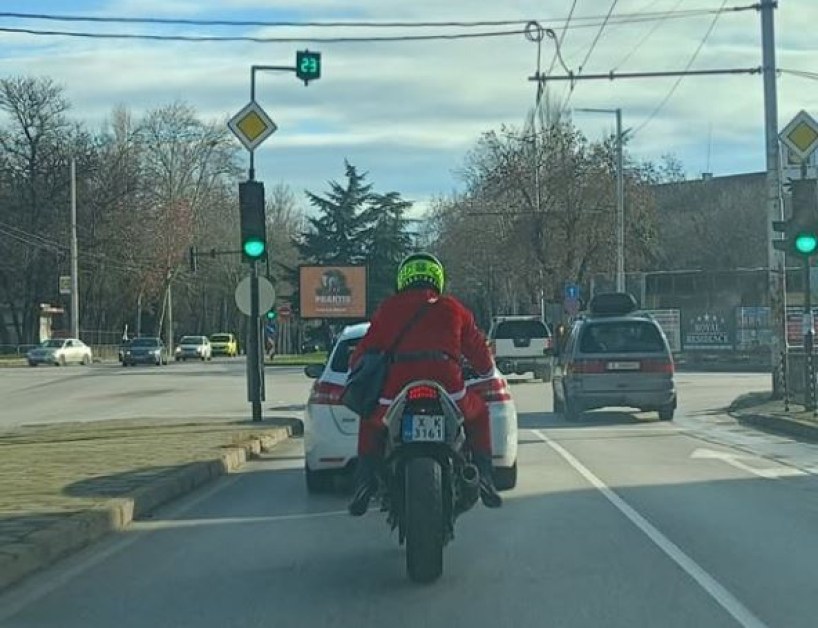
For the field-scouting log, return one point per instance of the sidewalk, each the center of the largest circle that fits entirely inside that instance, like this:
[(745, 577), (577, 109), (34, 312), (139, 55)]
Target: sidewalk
[(64, 486), (758, 410)]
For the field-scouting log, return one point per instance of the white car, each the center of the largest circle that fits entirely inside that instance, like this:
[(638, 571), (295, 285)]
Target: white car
[(61, 351), (331, 429), (194, 348)]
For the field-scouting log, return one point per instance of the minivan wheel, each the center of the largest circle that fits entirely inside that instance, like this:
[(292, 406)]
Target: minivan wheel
[(559, 406), (570, 411), (666, 412)]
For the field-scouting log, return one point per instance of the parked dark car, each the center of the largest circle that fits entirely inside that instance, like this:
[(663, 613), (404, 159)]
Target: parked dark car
[(145, 350)]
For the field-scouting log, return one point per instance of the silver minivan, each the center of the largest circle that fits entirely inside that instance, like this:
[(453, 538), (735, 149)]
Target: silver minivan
[(615, 356)]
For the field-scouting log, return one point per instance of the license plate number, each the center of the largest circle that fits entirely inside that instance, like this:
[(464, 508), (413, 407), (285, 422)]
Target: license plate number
[(421, 428), (623, 366)]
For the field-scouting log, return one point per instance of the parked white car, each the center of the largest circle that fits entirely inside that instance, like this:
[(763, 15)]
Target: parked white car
[(61, 351), (331, 429)]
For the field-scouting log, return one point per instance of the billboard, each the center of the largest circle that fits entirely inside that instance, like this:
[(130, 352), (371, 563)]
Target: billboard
[(333, 291)]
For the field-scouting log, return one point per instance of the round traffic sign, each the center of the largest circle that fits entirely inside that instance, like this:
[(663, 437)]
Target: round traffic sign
[(285, 310), (266, 295)]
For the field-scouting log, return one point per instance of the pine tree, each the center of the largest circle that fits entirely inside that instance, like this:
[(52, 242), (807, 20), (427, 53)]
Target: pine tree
[(336, 235)]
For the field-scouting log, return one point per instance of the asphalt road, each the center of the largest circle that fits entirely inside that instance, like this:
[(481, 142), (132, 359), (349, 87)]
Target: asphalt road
[(620, 521), (215, 389)]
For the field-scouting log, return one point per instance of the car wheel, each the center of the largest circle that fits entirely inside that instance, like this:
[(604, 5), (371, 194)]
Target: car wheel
[(666, 412), (505, 478), (61, 361), (570, 411), (32, 364), (559, 407), (86, 360), (543, 375), (319, 481)]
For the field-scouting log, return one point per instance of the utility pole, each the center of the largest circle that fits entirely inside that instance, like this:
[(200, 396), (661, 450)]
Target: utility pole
[(775, 212), (75, 295), (170, 316), (620, 195), (620, 206)]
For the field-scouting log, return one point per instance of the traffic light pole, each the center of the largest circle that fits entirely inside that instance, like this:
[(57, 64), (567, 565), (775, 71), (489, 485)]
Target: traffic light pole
[(809, 337), (255, 377)]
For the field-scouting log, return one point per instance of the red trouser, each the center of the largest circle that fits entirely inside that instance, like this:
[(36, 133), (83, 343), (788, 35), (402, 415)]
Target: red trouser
[(475, 412)]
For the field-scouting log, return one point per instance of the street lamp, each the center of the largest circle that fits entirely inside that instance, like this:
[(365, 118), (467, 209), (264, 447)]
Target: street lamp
[(620, 197)]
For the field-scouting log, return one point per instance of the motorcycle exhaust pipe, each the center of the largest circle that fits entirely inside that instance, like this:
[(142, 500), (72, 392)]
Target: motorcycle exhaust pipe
[(470, 476)]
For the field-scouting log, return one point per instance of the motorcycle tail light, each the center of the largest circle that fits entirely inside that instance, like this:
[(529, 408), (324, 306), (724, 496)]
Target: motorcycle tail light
[(421, 393)]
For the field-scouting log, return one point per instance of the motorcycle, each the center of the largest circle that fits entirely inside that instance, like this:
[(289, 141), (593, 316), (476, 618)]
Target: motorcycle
[(428, 479)]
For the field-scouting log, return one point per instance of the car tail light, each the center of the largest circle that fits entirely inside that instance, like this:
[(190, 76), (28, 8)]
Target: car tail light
[(586, 367), (493, 390), (548, 343), (493, 347), (421, 393), (657, 366), (326, 394)]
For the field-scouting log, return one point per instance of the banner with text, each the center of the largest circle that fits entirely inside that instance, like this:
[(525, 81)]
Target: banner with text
[(333, 291)]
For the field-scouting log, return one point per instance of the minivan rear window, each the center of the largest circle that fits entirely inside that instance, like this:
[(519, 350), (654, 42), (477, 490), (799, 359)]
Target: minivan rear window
[(621, 337), (508, 330), (342, 353)]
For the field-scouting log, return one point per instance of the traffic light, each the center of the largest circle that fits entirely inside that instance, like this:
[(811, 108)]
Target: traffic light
[(308, 65), (801, 230), (253, 221), (271, 315)]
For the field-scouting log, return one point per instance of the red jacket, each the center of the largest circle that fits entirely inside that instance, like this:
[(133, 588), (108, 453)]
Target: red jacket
[(447, 326)]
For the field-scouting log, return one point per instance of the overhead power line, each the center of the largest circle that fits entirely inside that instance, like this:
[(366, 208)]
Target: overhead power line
[(679, 80), (579, 22), (583, 21)]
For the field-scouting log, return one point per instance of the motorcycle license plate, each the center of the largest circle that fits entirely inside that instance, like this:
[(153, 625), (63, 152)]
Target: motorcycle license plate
[(421, 428)]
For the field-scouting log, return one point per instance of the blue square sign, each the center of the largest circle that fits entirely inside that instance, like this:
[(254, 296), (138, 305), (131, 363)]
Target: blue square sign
[(571, 291)]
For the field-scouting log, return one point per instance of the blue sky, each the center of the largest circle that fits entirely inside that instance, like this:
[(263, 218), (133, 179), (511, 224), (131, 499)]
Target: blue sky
[(409, 112)]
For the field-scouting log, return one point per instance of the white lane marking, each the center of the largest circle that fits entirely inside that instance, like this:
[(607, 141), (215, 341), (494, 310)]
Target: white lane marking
[(769, 473), (17, 599), (190, 523), (725, 599)]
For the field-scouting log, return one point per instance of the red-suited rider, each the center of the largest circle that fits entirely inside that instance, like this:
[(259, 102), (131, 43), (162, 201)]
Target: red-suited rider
[(432, 348)]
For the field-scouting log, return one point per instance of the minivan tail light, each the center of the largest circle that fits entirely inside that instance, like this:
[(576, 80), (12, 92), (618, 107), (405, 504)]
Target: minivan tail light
[(326, 394), (493, 347), (586, 367), (657, 366)]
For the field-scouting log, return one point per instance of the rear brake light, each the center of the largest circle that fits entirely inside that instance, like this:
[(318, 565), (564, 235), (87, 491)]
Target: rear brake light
[(326, 394), (657, 366), (493, 390), (493, 347), (548, 343), (419, 393), (586, 367)]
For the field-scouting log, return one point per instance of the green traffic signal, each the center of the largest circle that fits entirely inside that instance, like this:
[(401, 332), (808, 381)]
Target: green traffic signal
[(253, 248), (806, 243), (271, 315)]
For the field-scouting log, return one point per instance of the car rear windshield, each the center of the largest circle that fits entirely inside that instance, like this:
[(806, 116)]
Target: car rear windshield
[(622, 337), (342, 353), (144, 342), (192, 340), (508, 330), (220, 338), (54, 343)]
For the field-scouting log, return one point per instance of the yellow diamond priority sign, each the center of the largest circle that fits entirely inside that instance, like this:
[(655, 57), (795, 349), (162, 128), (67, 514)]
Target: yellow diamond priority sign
[(252, 126), (801, 135)]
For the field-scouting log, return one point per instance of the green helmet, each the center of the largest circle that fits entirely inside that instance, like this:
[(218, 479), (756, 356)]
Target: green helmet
[(419, 270)]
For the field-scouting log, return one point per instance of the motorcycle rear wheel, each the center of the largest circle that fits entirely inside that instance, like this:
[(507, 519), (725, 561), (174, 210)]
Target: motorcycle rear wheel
[(424, 518)]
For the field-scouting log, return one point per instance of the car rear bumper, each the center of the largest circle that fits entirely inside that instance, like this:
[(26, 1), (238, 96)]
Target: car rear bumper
[(141, 359), (222, 351), (327, 448), (646, 400), (503, 434), (523, 365)]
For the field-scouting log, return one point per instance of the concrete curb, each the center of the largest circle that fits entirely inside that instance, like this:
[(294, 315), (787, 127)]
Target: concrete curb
[(779, 425), (44, 547)]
